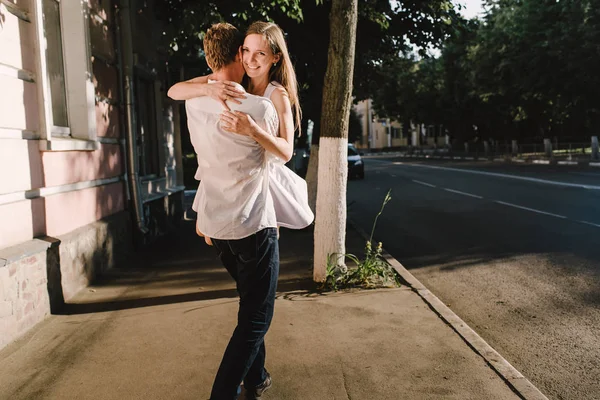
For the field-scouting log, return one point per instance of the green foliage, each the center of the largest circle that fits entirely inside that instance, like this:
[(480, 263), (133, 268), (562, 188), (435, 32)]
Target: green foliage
[(384, 29), (527, 70), (371, 271)]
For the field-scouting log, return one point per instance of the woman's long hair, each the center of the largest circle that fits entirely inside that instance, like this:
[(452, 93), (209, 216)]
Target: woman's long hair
[(283, 72)]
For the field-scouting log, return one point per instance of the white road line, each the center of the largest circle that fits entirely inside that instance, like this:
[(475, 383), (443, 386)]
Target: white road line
[(424, 183), (463, 193), (530, 209), (590, 223), (523, 178)]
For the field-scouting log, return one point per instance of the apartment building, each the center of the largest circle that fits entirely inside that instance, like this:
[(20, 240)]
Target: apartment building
[(90, 148)]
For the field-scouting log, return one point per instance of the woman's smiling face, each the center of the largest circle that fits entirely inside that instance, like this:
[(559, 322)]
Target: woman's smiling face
[(257, 55)]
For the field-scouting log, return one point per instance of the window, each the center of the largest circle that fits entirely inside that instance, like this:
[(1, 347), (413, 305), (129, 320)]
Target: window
[(147, 139), (55, 69), (396, 133), (64, 78)]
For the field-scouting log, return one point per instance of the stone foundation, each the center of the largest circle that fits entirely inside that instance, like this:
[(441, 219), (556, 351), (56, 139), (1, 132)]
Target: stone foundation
[(37, 277)]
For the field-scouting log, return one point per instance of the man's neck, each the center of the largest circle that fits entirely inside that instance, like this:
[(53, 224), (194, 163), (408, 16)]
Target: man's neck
[(225, 74)]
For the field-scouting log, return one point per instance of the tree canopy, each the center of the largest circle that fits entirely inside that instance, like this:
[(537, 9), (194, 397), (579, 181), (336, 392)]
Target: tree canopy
[(384, 31), (527, 70)]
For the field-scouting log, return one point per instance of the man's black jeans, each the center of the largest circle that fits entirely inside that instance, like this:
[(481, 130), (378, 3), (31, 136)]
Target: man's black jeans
[(254, 264)]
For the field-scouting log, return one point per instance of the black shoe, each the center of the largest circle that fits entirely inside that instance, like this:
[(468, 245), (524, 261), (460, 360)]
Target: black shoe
[(258, 391)]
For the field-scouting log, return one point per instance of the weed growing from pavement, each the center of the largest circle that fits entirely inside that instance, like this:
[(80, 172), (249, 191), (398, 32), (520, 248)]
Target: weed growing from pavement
[(372, 271)]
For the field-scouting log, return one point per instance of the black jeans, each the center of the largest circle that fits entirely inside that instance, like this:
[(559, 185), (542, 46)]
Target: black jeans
[(254, 264)]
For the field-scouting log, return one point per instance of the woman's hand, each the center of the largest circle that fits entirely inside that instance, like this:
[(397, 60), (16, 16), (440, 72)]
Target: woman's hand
[(223, 91), (238, 122)]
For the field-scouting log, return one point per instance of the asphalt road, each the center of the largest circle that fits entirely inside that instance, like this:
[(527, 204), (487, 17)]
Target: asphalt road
[(513, 250)]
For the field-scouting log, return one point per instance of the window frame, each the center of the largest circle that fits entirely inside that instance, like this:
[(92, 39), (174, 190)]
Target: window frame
[(79, 87), (149, 78)]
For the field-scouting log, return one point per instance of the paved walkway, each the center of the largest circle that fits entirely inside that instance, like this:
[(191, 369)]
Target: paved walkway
[(156, 329)]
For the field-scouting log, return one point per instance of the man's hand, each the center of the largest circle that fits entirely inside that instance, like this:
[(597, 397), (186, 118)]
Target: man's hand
[(238, 122), (224, 91)]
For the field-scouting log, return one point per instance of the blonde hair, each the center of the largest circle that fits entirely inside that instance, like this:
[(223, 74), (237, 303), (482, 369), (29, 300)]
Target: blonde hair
[(221, 44), (282, 73)]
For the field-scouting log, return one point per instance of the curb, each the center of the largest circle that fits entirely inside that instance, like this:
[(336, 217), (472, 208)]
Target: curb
[(521, 385), (468, 158)]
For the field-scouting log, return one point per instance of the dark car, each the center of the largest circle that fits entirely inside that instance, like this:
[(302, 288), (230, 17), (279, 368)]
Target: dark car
[(356, 167)]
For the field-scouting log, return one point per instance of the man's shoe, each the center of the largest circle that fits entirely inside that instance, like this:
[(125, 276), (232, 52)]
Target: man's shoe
[(258, 391)]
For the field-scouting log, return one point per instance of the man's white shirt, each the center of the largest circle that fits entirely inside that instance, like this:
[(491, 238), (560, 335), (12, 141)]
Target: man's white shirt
[(233, 199)]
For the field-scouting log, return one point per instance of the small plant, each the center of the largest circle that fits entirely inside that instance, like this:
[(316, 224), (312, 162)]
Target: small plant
[(372, 271)]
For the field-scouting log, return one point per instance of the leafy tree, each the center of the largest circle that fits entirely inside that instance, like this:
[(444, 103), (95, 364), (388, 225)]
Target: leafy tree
[(330, 223)]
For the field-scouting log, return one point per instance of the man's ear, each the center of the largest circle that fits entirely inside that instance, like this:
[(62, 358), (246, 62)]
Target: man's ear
[(239, 54)]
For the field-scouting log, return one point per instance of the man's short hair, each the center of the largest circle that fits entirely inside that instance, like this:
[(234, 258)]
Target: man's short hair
[(221, 44)]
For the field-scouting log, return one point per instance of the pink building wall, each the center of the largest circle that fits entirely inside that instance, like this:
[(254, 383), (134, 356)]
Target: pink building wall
[(25, 212)]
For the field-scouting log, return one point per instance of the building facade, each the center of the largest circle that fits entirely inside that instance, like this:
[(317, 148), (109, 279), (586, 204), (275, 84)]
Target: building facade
[(384, 133), (90, 148)]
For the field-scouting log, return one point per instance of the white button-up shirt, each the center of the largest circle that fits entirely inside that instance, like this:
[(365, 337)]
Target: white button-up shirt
[(233, 199)]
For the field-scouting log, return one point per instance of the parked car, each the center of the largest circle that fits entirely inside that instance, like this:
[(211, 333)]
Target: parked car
[(356, 167)]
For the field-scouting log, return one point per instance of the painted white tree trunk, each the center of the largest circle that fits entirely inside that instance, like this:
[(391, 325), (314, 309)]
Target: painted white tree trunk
[(330, 226), (312, 178)]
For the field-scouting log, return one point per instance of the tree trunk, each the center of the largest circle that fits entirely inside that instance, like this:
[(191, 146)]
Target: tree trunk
[(313, 166), (312, 177), (330, 224)]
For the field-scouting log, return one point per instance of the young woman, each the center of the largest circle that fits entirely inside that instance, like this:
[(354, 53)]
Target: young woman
[(269, 73)]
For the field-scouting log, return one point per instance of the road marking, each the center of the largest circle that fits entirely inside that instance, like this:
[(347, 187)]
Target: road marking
[(531, 209), (463, 193), (567, 162), (590, 223), (424, 183), (523, 178)]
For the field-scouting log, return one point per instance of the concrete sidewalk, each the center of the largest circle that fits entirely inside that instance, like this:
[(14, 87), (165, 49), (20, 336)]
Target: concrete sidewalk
[(156, 329)]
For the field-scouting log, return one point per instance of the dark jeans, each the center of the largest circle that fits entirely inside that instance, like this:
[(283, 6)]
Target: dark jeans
[(254, 264)]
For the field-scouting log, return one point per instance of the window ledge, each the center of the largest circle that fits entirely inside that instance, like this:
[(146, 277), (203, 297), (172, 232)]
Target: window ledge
[(68, 144)]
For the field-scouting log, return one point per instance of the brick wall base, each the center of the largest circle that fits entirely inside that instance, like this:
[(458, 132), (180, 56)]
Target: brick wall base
[(38, 276)]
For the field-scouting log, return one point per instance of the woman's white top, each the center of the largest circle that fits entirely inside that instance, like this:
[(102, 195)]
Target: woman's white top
[(288, 190)]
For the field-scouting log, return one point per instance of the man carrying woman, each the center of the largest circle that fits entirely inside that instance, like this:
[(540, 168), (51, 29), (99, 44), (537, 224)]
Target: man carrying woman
[(233, 133)]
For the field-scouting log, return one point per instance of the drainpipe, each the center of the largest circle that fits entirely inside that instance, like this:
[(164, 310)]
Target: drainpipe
[(125, 49)]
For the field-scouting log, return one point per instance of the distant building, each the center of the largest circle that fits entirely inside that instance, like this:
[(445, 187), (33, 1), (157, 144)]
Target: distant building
[(381, 133), (89, 148)]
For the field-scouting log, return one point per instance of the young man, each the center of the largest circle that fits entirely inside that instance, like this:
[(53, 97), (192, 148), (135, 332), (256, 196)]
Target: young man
[(236, 211)]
